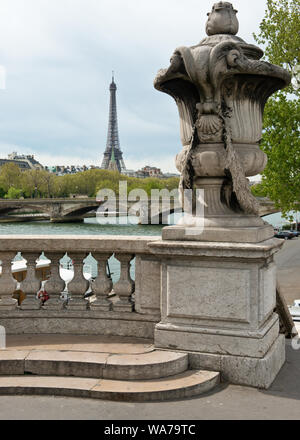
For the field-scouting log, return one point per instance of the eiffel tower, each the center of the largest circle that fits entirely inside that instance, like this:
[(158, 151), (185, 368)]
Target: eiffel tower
[(113, 156)]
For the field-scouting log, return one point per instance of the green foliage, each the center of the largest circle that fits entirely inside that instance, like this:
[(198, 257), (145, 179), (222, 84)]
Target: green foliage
[(2, 192), (258, 190), (33, 184), (41, 183), (14, 193), (10, 175), (280, 32), (281, 179), (112, 182)]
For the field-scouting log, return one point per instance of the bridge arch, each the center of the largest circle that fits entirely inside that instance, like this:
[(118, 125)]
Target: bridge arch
[(10, 208), (79, 211)]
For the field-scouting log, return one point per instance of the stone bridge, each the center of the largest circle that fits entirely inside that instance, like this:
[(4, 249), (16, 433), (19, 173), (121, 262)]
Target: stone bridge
[(57, 210), (75, 210)]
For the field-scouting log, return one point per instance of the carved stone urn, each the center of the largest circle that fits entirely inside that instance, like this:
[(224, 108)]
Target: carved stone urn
[(221, 87)]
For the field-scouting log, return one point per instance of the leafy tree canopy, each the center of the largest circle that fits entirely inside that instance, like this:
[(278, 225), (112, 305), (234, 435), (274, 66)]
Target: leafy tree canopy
[(280, 33), (41, 183), (14, 193)]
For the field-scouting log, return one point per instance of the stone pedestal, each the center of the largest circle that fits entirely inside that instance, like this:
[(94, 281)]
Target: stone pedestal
[(215, 221), (218, 275), (218, 302)]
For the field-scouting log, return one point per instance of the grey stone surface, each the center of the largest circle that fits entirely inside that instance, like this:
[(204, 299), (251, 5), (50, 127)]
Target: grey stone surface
[(218, 300), (225, 402), (80, 323), (154, 365), (217, 293), (147, 285), (187, 384), (12, 362), (142, 366), (220, 87), (243, 370), (214, 340), (288, 270), (84, 243), (217, 283), (219, 233), (255, 372), (211, 250)]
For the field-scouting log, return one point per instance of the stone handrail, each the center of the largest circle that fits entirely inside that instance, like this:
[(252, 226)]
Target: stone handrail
[(124, 248)]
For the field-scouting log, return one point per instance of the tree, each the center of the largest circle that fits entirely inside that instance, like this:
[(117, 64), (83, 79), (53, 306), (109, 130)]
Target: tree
[(280, 32), (33, 183), (10, 175), (48, 180), (14, 193)]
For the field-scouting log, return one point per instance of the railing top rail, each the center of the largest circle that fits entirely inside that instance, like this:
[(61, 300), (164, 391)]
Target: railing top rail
[(76, 243)]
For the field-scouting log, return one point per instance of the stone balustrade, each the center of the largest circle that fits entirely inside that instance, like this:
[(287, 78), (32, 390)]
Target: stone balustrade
[(125, 300)]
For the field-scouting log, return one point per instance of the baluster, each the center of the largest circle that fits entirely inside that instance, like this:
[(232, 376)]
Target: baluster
[(31, 285), (79, 285), (7, 283), (102, 285), (125, 286), (55, 285)]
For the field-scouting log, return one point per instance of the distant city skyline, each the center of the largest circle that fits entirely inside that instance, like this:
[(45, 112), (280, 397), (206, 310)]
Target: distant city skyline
[(58, 57)]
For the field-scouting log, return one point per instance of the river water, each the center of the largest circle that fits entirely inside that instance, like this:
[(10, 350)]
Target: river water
[(101, 226), (91, 226)]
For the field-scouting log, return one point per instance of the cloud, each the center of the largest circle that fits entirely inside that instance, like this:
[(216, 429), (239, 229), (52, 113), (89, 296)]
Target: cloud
[(59, 55)]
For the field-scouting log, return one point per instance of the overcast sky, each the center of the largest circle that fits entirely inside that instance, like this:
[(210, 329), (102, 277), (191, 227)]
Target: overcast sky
[(59, 55)]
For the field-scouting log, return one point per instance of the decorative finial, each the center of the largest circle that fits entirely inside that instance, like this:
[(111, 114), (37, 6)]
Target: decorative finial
[(222, 19), (113, 76)]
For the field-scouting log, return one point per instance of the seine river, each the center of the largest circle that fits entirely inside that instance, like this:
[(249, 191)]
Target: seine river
[(93, 226), (107, 226)]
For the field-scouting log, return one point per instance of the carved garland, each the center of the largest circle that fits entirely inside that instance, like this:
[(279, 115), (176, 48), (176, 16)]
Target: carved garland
[(236, 193)]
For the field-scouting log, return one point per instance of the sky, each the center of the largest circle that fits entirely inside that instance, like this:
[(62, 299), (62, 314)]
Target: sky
[(59, 55)]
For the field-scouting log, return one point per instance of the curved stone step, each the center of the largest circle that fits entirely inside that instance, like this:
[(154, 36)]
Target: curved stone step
[(188, 384), (152, 365)]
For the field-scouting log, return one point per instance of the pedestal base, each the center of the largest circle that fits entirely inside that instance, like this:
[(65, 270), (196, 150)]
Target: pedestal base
[(233, 341), (53, 304), (243, 370), (102, 305), (214, 221), (8, 304), (123, 306), (219, 234), (218, 302), (77, 303)]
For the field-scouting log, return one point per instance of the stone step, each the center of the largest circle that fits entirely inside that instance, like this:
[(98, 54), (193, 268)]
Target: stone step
[(188, 384), (152, 365)]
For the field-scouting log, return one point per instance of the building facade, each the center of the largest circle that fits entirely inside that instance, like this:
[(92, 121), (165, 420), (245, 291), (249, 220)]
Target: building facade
[(24, 162)]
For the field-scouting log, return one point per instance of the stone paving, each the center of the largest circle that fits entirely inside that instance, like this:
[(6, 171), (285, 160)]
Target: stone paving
[(281, 401), (115, 368), (288, 273)]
